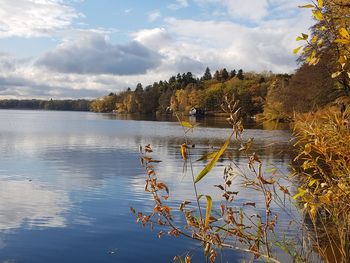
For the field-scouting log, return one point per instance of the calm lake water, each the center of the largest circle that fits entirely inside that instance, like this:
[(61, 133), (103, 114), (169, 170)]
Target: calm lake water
[(67, 180)]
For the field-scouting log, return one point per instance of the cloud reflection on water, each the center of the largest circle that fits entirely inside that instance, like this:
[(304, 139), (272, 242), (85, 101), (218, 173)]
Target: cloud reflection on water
[(86, 174), (24, 204)]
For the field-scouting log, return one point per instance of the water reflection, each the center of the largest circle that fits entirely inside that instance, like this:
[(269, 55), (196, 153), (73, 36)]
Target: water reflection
[(23, 204), (204, 121), (67, 181)]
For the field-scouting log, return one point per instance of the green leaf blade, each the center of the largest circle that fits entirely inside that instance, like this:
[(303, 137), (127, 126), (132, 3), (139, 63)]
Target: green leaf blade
[(210, 165)]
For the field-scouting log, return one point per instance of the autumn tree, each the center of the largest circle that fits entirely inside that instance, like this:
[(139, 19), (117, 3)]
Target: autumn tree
[(312, 86), (329, 34)]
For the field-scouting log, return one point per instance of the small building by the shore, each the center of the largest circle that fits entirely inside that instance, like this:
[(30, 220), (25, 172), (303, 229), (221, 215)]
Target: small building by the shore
[(196, 112)]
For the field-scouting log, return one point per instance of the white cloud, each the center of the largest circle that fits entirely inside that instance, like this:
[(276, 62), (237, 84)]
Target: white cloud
[(247, 9), (156, 38), (174, 54), (34, 18), (178, 4), (227, 44), (88, 64), (154, 15)]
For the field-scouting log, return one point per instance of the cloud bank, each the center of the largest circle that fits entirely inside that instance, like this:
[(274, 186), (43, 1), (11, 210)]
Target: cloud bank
[(34, 18), (254, 35), (94, 54)]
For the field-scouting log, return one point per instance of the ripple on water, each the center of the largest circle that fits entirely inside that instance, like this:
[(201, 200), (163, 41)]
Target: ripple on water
[(67, 181)]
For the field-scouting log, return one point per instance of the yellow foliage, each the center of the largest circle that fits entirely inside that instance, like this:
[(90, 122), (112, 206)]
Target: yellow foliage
[(323, 139)]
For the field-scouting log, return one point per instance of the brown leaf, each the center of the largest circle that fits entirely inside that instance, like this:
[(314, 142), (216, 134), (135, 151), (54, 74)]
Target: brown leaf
[(160, 234), (148, 148), (232, 193), (151, 172), (174, 232), (146, 158), (222, 207), (226, 196), (220, 186), (183, 205), (212, 256), (284, 190), (255, 251), (264, 181), (155, 161), (161, 186), (250, 203)]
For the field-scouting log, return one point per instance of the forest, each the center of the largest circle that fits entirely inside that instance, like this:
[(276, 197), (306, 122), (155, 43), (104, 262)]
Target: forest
[(266, 95), (64, 105), (184, 91)]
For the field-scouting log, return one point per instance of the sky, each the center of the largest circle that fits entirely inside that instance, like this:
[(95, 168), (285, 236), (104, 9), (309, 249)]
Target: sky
[(64, 49)]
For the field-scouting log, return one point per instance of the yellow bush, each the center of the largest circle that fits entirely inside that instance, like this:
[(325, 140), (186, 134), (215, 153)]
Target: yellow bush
[(323, 142)]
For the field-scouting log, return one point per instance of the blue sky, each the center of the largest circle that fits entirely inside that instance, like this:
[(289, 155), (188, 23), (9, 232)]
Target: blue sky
[(87, 48)]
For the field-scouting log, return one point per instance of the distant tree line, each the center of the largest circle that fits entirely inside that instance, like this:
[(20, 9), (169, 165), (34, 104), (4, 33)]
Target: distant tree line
[(184, 91), (272, 96), (64, 105)]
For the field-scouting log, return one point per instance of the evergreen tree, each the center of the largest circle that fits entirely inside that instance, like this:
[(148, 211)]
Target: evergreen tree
[(207, 74), (172, 79), (189, 78), (224, 74), (240, 74), (233, 74), (139, 87), (178, 77), (217, 76)]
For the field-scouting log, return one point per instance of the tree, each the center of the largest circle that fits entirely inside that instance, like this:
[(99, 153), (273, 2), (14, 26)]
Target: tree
[(164, 100), (207, 74), (240, 74), (178, 77), (217, 76), (233, 74), (329, 34), (172, 79), (139, 87), (224, 74), (188, 78), (311, 86)]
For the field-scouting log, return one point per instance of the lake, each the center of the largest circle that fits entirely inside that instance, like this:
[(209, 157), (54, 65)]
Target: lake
[(68, 179)]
